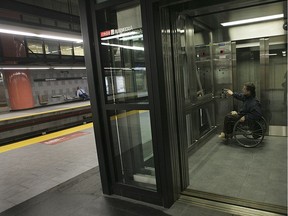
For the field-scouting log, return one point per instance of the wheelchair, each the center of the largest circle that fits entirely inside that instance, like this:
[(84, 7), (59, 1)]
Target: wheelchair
[(250, 133)]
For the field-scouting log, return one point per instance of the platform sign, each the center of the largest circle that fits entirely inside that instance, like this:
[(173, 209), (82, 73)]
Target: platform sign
[(111, 32), (105, 33), (64, 138)]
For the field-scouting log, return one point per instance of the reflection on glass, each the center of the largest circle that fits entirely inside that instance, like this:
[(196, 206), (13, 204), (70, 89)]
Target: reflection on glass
[(277, 83), (199, 122), (125, 77), (34, 46), (248, 65), (203, 72), (51, 48), (78, 50), (120, 84), (198, 82), (66, 49), (125, 84), (132, 145)]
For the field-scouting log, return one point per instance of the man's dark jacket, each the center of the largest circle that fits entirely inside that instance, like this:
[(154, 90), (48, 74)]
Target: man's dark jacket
[(251, 106)]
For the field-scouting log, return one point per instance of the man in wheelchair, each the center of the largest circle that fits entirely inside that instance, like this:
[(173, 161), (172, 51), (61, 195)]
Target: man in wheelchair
[(251, 110)]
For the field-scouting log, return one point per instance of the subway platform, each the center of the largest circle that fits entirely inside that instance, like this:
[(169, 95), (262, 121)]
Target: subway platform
[(57, 174), (83, 196), (21, 124)]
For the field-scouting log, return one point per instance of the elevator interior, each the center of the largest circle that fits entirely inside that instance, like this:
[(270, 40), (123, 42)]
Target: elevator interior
[(209, 56), (212, 57)]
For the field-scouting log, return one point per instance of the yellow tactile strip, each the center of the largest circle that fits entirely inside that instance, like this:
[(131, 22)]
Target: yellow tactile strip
[(60, 133), (45, 112), (44, 138)]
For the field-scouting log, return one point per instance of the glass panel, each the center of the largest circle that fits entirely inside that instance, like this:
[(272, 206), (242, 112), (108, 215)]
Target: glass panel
[(248, 66), (34, 46), (199, 122), (3, 99), (277, 83), (203, 73), (132, 145), (78, 50), (123, 58), (51, 48), (66, 49), (200, 84)]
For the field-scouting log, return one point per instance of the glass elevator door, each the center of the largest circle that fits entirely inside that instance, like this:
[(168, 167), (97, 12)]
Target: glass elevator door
[(209, 57)]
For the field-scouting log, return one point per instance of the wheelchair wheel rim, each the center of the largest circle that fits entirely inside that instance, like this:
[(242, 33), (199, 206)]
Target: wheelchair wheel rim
[(248, 136)]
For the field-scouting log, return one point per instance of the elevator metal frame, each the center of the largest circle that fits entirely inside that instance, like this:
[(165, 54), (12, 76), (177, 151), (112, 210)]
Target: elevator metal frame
[(165, 101)]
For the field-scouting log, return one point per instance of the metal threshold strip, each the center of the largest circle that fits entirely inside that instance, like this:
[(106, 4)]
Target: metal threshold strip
[(231, 205)]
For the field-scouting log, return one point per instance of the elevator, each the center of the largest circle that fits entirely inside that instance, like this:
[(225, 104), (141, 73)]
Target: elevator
[(210, 55), (158, 81)]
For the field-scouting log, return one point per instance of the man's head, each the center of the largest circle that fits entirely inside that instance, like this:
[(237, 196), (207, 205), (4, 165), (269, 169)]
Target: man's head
[(249, 89)]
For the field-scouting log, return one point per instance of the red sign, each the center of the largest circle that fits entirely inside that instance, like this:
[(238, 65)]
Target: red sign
[(63, 138), (105, 33)]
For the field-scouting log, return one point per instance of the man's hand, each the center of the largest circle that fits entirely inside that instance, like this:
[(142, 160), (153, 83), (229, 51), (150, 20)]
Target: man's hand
[(234, 113), (242, 119), (229, 92)]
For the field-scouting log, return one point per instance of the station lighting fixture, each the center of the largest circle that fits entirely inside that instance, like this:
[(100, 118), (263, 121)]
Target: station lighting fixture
[(28, 32), (124, 46), (24, 68), (68, 68), (132, 37), (40, 68), (128, 69), (252, 20)]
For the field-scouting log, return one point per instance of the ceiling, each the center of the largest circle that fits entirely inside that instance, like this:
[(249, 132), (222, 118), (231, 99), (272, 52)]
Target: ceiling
[(56, 14), (213, 20)]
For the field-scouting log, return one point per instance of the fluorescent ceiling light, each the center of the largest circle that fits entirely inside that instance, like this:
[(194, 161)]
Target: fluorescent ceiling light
[(7, 31), (252, 20), (54, 37), (117, 68), (67, 68), (124, 46), (131, 37), (60, 38), (120, 35), (140, 68), (40, 68), (128, 69), (245, 45), (24, 68)]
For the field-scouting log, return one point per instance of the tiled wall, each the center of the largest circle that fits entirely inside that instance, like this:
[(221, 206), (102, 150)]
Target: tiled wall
[(56, 91)]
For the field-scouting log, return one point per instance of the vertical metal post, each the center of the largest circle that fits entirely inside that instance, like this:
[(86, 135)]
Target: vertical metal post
[(263, 76)]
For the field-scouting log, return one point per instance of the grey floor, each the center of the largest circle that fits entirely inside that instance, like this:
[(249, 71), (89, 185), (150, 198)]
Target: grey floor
[(257, 174), (38, 179), (82, 196), (31, 170)]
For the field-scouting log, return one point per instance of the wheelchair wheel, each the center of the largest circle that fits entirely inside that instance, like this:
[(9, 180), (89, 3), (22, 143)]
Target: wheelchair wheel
[(248, 134)]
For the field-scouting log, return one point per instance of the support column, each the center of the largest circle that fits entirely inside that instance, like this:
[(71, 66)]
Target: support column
[(17, 82), (19, 89)]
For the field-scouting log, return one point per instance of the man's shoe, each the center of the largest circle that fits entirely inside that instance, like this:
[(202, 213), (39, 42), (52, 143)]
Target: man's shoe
[(222, 135)]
